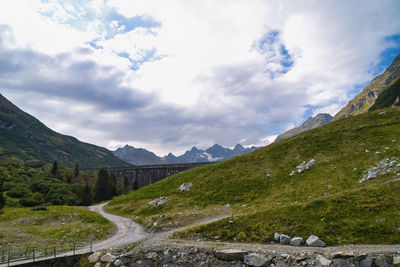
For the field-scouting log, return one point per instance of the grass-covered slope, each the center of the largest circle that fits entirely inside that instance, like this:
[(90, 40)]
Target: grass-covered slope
[(60, 225), (328, 200), (24, 139)]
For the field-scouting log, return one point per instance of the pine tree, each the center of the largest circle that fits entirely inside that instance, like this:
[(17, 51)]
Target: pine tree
[(87, 198), (103, 186), (135, 185), (76, 170), (54, 169), (2, 198), (113, 181), (126, 183)]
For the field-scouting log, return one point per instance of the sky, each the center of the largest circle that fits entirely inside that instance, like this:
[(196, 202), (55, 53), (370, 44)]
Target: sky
[(167, 75)]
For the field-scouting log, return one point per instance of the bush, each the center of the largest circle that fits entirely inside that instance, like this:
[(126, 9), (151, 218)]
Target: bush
[(31, 200)]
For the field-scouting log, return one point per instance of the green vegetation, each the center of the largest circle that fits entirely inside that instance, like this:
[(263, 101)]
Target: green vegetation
[(388, 97), (105, 186), (25, 140), (25, 186), (21, 227), (328, 200)]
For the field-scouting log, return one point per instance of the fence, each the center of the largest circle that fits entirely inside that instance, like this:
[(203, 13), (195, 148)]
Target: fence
[(34, 253)]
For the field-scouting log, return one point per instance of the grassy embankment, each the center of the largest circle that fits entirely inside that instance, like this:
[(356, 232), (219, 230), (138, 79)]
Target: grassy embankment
[(327, 201), (60, 225)]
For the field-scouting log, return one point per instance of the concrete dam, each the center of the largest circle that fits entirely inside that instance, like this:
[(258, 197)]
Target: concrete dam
[(149, 174)]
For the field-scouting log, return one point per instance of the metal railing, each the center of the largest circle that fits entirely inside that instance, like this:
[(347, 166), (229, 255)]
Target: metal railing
[(47, 251)]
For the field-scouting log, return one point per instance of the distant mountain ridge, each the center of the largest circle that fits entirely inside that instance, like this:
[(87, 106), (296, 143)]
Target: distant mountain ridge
[(140, 156), (311, 123), (24, 139), (367, 97)]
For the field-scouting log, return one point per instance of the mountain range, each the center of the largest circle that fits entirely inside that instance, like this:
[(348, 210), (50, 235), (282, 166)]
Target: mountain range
[(24, 139), (140, 156)]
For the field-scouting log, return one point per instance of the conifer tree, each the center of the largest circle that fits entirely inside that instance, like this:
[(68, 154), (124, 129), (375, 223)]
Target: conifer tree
[(103, 186), (76, 170), (54, 169), (2, 198), (126, 183), (87, 198), (135, 185)]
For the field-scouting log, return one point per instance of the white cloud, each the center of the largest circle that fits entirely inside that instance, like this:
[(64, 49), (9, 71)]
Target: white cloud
[(218, 70)]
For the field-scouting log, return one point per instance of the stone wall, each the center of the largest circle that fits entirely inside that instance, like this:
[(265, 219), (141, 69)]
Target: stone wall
[(145, 175)]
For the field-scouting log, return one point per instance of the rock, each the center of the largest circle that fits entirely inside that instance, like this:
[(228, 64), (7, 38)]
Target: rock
[(314, 241), (151, 255), (297, 241), (366, 263), (342, 255), (323, 261), (118, 262), (396, 260), (225, 207), (185, 187), (94, 257), (254, 259), (158, 201), (284, 239), (230, 254), (382, 113), (108, 258), (97, 264), (292, 173), (277, 236)]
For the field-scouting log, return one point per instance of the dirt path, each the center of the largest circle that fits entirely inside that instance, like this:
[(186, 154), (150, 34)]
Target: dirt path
[(127, 231)]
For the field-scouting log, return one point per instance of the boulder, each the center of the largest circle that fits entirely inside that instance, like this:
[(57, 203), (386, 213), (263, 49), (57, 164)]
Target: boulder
[(284, 239), (97, 264), (230, 254), (323, 261), (185, 187), (158, 201), (254, 259), (118, 262), (396, 260), (297, 241), (108, 258), (94, 257), (314, 241), (277, 236)]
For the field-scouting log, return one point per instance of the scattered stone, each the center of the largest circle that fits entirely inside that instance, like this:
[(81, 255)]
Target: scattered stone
[(305, 166), (361, 256), (277, 236), (314, 241), (269, 175), (382, 113), (292, 173), (385, 166), (342, 255), (118, 262), (329, 186), (108, 258), (97, 264), (230, 254), (355, 169), (297, 241), (185, 187), (284, 239), (366, 150), (323, 261), (158, 201), (396, 260), (94, 257), (254, 259)]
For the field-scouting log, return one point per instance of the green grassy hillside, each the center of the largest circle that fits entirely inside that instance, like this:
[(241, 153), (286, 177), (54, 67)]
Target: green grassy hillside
[(328, 200), (24, 139), (390, 96)]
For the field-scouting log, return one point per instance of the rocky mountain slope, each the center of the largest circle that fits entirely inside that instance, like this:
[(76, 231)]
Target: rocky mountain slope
[(339, 182), (23, 138), (389, 97), (311, 123), (367, 97), (140, 156)]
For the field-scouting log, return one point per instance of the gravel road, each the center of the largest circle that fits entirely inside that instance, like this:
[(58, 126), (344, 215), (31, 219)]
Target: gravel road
[(127, 231)]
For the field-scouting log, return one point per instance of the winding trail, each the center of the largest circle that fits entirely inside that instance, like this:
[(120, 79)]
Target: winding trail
[(127, 231)]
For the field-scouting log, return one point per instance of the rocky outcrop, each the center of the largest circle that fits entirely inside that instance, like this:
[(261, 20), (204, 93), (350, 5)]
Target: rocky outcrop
[(311, 123), (367, 97), (185, 187), (186, 255), (158, 201), (385, 166)]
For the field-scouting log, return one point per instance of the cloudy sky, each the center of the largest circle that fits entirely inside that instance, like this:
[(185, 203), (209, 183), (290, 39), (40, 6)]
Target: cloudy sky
[(167, 75)]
